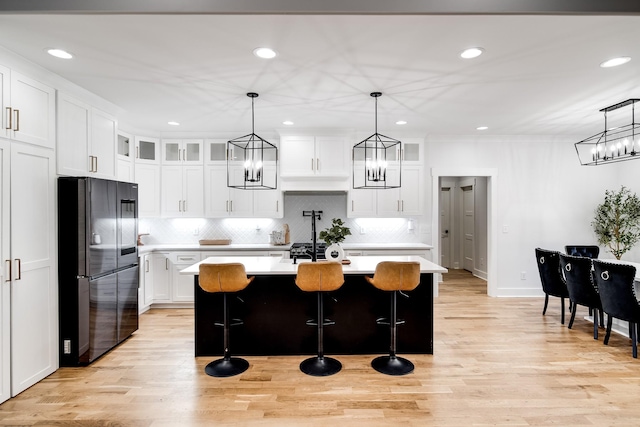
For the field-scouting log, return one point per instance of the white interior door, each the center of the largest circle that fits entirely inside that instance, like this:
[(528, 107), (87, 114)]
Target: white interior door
[(34, 305), (5, 279), (445, 227), (468, 227)]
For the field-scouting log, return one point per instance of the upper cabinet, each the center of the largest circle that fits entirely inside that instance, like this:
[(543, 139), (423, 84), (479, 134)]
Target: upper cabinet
[(124, 157), (28, 109), (215, 151), (147, 150), (314, 156), (182, 151), (86, 139)]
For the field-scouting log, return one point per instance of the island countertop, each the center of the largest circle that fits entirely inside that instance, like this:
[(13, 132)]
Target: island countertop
[(279, 266)]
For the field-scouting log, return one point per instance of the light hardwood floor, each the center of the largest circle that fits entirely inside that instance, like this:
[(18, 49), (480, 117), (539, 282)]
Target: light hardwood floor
[(497, 361)]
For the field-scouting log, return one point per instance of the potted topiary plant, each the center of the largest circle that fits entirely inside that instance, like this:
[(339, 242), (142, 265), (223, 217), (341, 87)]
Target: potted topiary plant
[(333, 236), (617, 221)]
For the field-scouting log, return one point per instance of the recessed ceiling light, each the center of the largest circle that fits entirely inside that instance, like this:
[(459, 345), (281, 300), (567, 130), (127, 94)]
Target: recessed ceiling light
[(482, 128), (173, 123), (614, 62), (59, 53), (401, 122), (264, 52), (287, 123), (471, 52)]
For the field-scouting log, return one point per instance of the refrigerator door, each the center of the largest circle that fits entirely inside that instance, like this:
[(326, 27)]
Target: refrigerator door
[(100, 231), (127, 302), (103, 315), (127, 234)]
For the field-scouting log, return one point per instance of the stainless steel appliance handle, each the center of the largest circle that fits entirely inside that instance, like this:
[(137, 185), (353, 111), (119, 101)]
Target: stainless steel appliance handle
[(8, 261)]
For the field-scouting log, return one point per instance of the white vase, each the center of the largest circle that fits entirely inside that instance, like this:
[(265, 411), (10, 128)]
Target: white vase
[(334, 252)]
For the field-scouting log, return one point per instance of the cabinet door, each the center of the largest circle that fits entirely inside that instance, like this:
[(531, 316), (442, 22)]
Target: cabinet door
[(73, 136), (34, 315), (146, 281), (104, 136), (171, 199), (147, 150), (182, 285), (297, 156), (389, 203), (216, 192), (5, 285), (411, 191), (411, 151), (240, 201), (148, 178), (331, 158), (34, 112), (161, 277), (5, 101), (193, 191), (192, 151), (361, 203), (268, 204), (215, 151), (171, 151)]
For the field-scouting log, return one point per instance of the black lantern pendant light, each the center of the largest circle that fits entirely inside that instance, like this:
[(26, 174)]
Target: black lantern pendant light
[(252, 161), (377, 159)]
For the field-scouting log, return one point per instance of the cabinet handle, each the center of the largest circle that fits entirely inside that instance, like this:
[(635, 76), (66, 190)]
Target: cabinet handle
[(352, 206), (8, 262), (231, 203), (19, 269), (17, 120), (402, 205), (184, 206), (9, 117), (227, 208), (312, 168), (166, 263), (317, 165), (277, 205), (96, 159), (146, 265), (137, 152)]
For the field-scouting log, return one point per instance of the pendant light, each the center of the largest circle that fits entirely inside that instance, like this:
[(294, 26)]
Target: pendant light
[(252, 161), (615, 143), (377, 159)]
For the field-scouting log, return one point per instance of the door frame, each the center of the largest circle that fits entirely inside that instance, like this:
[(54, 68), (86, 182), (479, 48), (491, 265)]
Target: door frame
[(492, 217)]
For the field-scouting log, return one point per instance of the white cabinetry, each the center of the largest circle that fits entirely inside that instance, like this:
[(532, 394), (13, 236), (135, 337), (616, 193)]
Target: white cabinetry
[(182, 151), (147, 175), (314, 156), (161, 270), (222, 201), (29, 284), (391, 202), (28, 109), (182, 285), (145, 293), (86, 139), (124, 158), (182, 192)]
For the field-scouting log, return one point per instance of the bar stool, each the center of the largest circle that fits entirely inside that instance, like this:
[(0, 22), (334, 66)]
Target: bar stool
[(394, 277), (225, 278), (320, 277)]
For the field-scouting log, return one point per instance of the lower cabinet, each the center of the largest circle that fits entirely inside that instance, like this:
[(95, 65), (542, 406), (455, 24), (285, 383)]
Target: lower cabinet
[(182, 285), (425, 253)]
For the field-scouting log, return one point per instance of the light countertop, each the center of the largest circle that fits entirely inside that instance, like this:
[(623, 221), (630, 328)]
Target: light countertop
[(267, 247), (280, 266)]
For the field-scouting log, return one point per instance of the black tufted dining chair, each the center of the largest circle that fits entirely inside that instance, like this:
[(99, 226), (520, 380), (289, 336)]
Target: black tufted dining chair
[(551, 278), (619, 300), (588, 251), (582, 291)]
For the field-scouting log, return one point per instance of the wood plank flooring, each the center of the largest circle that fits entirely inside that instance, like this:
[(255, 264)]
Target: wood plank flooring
[(497, 362)]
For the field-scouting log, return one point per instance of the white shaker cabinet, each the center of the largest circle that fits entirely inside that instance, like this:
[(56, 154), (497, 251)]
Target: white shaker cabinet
[(182, 151), (314, 156), (222, 201), (161, 270), (86, 139), (29, 283), (148, 179), (28, 109), (182, 285), (403, 201), (145, 291), (182, 191), (147, 150), (124, 158)]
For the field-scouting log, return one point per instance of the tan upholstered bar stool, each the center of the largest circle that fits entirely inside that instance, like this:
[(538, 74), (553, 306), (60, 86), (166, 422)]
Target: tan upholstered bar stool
[(394, 276), (225, 278), (320, 277)]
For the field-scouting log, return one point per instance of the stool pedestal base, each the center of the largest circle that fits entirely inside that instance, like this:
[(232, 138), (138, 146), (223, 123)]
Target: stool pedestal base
[(392, 365), (320, 367), (226, 367)]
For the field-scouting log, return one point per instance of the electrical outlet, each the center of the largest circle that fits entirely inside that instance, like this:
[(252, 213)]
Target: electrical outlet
[(523, 275), (363, 230), (67, 347), (196, 231)]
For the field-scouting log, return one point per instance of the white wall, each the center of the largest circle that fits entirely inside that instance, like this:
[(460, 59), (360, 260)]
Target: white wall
[(544, 197)]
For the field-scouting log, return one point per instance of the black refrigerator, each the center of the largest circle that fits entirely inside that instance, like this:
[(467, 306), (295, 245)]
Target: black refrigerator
[(97, 266)]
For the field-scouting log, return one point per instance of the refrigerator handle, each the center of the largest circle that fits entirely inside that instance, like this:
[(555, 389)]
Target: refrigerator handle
[(8, 261)]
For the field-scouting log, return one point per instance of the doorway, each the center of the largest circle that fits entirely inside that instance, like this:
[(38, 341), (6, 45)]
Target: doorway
[(464, 218)]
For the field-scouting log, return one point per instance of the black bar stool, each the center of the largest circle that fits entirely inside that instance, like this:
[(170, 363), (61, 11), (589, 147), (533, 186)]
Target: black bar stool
[(320, 277), (225, 278), (394, 277)]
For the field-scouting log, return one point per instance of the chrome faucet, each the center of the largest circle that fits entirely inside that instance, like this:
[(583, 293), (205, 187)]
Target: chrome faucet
[(313, 214)]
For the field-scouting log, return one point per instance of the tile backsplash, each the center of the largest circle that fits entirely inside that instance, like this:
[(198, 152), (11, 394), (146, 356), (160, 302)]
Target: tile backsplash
[(257, 230)]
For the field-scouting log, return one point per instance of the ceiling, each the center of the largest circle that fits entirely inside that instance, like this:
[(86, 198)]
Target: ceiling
[(539, 74)]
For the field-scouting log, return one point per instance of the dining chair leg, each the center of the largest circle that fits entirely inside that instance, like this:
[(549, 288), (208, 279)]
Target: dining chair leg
[(595, 323), (634, 340), (561, 310), (546, 302), (573, 316), (608, 334)]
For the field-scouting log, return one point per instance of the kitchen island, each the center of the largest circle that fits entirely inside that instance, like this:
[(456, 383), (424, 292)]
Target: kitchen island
[(275, 311)]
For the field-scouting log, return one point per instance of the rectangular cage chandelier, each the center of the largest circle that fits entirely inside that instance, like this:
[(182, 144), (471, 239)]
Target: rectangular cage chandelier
[(377, 162), (252, 161), (614, 144)]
